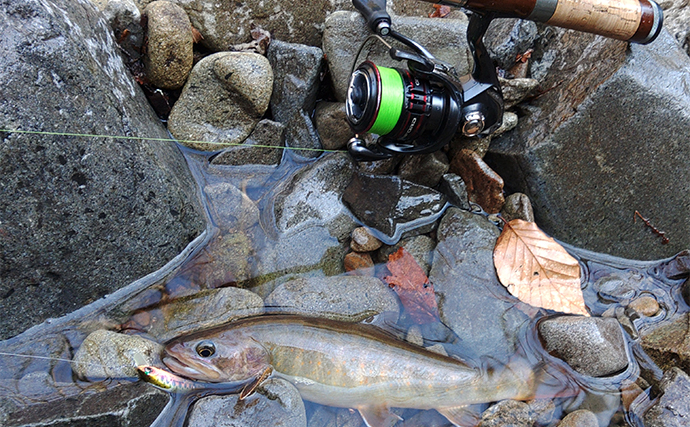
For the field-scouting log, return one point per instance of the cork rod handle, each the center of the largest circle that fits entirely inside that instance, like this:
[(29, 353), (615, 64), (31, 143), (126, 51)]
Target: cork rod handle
[(638, 21)]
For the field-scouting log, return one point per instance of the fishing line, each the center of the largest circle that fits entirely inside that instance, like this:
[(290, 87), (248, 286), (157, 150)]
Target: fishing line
[(85, 363), (181, 141)]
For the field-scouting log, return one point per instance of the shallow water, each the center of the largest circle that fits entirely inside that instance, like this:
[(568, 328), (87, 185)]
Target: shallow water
[(27, 384)]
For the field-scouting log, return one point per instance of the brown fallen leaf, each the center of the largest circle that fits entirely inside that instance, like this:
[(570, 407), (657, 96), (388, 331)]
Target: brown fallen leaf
[(484, 186), (439, 11), (415, 291), (537, 270)]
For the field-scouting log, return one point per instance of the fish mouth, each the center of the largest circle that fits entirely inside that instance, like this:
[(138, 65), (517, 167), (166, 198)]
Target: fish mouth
[(181, 368)]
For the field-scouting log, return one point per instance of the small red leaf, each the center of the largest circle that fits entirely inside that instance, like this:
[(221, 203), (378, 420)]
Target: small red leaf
[(415, 291)]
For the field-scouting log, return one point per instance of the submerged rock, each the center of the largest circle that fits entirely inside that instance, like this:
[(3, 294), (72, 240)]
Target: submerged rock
[(391, 205), (580, 418), (82, 216), (276, 402), (225, 97), (592, 346), (106, 354), (668, 344), (507, 413), (169, 49), (673, 407), (345, 298)]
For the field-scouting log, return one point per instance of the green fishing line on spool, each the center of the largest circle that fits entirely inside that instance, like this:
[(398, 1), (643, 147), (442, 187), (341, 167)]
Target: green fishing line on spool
[(390, 107)]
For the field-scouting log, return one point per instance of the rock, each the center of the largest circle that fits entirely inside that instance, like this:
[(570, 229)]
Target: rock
[(345, 32), (668, 344), (516, 90), (327, 416), (645, 305), (276, 403), (603, 406), (507, 38), (592, 346), (673, 407), (82, 216), (363, 240), (586, 130), (424, 169), (302, 137), (169, 49), (507, 413), (225, 97), (106, 354), (579, 418), (469, 295), (618, 286), (391, 206), (124, 18), (256, 149), (455, 190), (129, 404), (676, 19), (203, 310), (296, 71), (518, 206), (230, 208), (359, 264), (330, 120), (345, 298)]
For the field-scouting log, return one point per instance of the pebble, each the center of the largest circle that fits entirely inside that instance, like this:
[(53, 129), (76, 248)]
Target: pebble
[(455, 189), (579, 418), (363, 240), (518, 206), (359, 263), (507, 413), (516, 90), (645, 305), (169, 51), (107, 354)]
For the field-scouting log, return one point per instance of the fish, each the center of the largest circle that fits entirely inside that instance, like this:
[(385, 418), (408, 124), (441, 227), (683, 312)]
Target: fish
[(345, 365)]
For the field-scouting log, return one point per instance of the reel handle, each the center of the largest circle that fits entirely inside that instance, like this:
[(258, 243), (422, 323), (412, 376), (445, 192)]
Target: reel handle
[(637, 21), (374, 11)]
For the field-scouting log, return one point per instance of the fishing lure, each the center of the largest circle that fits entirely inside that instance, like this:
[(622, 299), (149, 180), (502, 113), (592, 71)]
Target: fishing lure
[(164, 380)]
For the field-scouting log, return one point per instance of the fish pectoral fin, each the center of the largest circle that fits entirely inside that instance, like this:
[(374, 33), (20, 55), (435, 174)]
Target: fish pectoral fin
[(250, 388), (378, 416), (461, 416)]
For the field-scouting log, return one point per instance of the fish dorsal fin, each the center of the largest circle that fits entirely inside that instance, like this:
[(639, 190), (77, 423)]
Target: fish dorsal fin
[(461, 416), (378, 416), (250, 388)]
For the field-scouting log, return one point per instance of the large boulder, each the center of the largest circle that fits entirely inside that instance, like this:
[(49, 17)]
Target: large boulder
[(604, 141), (81, 215)]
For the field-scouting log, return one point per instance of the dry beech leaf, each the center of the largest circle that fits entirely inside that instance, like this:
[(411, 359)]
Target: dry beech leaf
[(537, 270)]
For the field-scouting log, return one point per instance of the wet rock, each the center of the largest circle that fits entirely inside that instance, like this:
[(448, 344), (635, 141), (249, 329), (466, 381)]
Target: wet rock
[(225, 97), (135, 405), (579, 418), (81, 216), (390, 205), (676, 18), (467, 288), (668, 344), (516, 90), (424, 169), (276, 402), (507, 413), (326, 416), (645, 305), (330, 120), (345, 32), (296, 71), (507, 38), (359, 264), (203, 310), (518, 206), (346, 298), (602, 405), (378, 167), (169, 49), (673, 407), (587, 129), (363, 240), (256, 149), (590, 345), (230, 208), (618, 287), (420, 247), (302, 137), (124, 18), (106, 354), (455, 189), (543, 411)]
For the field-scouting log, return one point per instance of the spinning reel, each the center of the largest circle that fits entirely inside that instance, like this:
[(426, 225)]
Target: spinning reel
[(420, 109)]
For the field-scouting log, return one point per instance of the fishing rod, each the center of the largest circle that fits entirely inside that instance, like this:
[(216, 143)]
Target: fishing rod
[(420, 109)]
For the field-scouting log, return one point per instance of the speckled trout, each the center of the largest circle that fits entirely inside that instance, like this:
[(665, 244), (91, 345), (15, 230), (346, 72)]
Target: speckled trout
[(344, 365)]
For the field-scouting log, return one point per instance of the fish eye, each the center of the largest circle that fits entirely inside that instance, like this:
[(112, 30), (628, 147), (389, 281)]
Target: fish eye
[(205, 349)]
